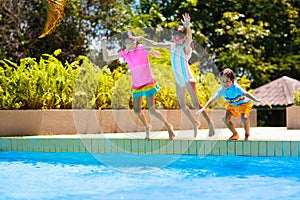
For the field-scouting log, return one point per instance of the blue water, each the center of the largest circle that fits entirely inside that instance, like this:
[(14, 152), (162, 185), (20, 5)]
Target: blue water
[(130, 176)]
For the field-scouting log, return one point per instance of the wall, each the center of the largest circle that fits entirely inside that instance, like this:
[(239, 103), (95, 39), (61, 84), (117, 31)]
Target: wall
[(293, 117), (57, 122)]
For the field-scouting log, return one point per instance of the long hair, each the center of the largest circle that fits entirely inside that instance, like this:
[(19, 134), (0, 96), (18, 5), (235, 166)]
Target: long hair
[(179, 31)]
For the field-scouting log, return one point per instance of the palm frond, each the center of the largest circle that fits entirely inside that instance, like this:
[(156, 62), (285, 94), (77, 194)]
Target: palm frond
[(55, 14)]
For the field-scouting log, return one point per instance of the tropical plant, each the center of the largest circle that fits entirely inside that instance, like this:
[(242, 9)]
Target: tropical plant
[(37, 85)]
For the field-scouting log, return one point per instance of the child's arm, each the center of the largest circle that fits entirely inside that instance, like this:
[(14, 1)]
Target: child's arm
[(253, 98), (189, 38), (210, 101), (152, 52), (155, 53), (152, 43), (107, 57), (250, 96)]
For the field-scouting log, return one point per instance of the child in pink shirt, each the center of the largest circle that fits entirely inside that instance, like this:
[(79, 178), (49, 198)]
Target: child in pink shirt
[(143, 82)]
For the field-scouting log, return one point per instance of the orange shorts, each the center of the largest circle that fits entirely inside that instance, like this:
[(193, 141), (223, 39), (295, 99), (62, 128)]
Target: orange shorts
[(236, 111)]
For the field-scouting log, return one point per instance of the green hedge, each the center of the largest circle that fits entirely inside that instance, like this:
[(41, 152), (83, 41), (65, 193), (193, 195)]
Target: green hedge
[(35, 85), (50, 84)]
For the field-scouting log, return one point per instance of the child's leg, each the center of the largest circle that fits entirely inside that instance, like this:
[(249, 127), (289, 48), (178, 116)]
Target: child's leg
[(153, 111), (194, 95), (181, 95), (227, 121), (246, 123), (141, 116)]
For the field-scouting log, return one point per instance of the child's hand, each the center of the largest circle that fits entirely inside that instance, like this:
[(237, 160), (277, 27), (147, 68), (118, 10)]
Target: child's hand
[(155, 53), (103, 41), (200, 111), (104, 38), (186, 20), (263, 101)]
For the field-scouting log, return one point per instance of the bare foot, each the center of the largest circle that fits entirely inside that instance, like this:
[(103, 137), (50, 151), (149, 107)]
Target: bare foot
[(148, 128), (171, 132), (247, 136), (211, 127), (196, 126), (234, 137)]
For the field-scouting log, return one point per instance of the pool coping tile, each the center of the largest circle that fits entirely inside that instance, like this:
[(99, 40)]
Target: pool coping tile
[(157, 145)]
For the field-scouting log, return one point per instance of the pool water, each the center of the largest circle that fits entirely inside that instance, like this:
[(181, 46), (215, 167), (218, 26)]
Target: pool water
[(26, 175)]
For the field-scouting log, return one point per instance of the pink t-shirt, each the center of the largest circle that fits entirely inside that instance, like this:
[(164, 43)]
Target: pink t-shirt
[(139, 65)]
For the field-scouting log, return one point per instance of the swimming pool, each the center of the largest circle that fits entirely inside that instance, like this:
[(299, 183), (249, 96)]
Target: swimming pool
[(33, 175)]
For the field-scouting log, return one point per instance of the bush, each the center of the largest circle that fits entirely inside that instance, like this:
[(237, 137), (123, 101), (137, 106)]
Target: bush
[(297, 97), (162, 71), (209, 85), (36, 85), (49, 84)]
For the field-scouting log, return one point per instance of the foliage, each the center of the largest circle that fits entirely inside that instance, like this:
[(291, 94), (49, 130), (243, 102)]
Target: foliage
[(245, 83), (240, 53), (243, 35), (162, 71), (257, 38), (32, 84), (48, 84), (121, 91), (22, 21), (297, 97), (85, 85)]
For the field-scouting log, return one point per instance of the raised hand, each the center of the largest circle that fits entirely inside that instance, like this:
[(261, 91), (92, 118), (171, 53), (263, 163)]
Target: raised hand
[(103, 41), (263, 101), (186, 19)]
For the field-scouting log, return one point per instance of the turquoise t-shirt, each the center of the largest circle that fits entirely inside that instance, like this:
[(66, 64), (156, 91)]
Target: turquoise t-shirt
[(233, 95)]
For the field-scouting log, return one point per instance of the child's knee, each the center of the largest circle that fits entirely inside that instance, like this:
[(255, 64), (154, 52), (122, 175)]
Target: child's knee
[(244, 118), (151, 110), (225, 120)]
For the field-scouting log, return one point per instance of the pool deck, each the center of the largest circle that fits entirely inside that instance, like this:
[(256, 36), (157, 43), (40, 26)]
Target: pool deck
[(256, 133), (263, 141)]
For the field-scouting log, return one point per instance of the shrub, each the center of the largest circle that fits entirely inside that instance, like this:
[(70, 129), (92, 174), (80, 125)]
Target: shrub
[(162, 71), (36, 85), (85, 85), (121, 91), (49, 84), (297, 97), (209, 85)]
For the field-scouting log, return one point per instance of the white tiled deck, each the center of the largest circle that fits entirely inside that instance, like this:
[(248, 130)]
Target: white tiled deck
[(256, 133)]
